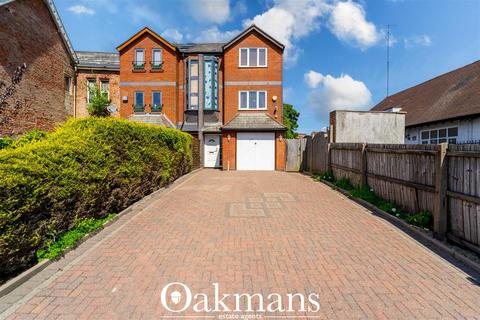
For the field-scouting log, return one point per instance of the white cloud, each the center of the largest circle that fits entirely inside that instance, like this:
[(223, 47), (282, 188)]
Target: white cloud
[(313, 78), (348, 23), (143, 13), (172, 35), (290, 20), (81, 10), (422, 41), (215, 11), (330, 93), (213, 34)]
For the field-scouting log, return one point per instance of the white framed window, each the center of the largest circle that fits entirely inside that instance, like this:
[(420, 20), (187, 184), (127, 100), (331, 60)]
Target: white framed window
[(156, 58), (252, 57), (252, 100), (441, 135), (91, 83), (105, 87), (139, 61)]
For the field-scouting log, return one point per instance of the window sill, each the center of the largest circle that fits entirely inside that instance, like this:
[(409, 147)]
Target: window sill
[(252, 67), (139, 70), (264, 109)]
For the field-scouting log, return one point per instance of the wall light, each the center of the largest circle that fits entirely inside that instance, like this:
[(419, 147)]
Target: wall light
[(228, 137), (280, 137), (274, 98)]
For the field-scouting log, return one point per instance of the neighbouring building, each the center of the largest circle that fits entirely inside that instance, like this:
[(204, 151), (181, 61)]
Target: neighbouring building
[(443, 109), (32, 33), (367, 127), (100, 69), (229, 95)]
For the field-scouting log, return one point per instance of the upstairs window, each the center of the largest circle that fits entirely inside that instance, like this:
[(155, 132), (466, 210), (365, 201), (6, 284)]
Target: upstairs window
[(253, 57), (139, 59), (156, 58), (252, 100), (192, 78)]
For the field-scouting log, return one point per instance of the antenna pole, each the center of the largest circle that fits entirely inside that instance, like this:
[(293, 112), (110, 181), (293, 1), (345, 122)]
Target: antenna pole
[(388, 58)]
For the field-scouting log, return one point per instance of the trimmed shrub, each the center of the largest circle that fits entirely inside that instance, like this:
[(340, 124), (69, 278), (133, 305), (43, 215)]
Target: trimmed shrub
[(87, 168)]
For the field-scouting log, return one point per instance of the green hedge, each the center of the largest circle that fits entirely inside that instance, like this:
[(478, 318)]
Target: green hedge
[(85, 169)]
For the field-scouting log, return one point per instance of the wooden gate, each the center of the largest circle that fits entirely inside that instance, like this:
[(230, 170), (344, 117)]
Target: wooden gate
[(295, 151)]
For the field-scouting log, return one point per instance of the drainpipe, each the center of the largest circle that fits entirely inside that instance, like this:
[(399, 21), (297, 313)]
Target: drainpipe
[(200, 106), (74, 80)]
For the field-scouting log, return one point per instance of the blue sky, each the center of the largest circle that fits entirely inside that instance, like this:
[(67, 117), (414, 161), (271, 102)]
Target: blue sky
[(336, 50)]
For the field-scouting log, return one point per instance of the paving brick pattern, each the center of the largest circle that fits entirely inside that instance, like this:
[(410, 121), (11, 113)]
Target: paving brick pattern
[(254, 232)]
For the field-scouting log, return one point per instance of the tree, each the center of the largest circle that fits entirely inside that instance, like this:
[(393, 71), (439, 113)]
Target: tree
[(98, 107), (290, 120)]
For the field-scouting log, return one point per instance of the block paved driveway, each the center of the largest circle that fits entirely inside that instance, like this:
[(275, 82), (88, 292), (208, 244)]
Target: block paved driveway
[(251, 232)]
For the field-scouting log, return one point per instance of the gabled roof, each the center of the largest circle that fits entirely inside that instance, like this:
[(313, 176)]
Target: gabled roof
[(250, 29), (58, 22), (141, 33), (98, 60), (455, 94), (253, 121)]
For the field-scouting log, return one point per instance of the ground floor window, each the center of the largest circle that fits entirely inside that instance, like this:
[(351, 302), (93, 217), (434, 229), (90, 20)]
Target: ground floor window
[(105, 87), (139, 101), (156, 101), (91, 84), (442, 135)]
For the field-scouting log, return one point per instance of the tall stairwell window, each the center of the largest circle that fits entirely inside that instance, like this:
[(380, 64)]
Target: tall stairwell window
[(192, 85)]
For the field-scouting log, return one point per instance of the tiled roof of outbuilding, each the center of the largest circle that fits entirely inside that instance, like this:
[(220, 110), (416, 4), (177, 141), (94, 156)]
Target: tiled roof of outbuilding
[(102, 60), (451, 95)]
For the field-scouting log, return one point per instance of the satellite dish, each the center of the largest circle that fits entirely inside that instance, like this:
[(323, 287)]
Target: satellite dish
[(111, 108)]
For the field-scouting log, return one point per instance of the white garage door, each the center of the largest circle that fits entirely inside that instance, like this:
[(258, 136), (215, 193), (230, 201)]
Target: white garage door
[(255, 151)]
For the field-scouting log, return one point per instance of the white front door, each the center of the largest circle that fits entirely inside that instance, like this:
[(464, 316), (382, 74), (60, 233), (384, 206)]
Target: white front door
[(255, 151), (212, 150)]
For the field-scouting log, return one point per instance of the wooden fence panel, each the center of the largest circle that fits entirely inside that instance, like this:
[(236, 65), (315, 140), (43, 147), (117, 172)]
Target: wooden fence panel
[(345, 161), (417, 178), (403, 174), (463, 192)]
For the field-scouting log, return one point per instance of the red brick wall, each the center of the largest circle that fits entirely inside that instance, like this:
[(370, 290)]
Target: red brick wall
[(29, 35), (233, 72), (81, 90), (229, 150), (169, 74)]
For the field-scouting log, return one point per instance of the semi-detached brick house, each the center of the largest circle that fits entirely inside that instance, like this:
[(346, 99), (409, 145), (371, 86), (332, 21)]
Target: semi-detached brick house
[(238, 85), (227, 94)]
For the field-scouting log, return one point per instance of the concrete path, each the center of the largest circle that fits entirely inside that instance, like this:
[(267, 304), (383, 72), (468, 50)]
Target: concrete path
[(249, 232)]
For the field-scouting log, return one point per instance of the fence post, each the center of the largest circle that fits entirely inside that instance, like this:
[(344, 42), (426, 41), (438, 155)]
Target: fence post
[(329, 157), (440, 208), (363, 165)]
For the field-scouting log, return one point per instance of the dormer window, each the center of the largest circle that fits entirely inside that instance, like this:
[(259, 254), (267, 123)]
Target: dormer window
[(156, 59), (139, 60), (253, 57)]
